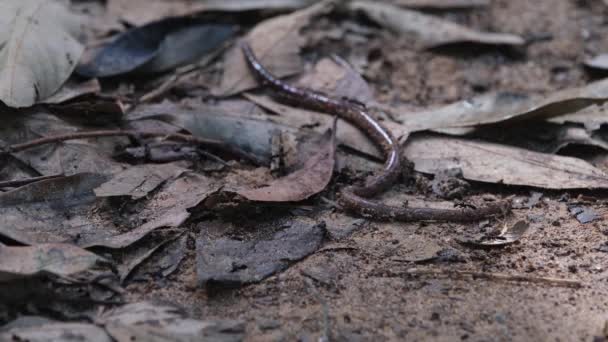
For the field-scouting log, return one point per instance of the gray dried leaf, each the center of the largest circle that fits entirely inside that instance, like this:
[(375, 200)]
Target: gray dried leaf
[(55, 259), (592, 117), (507, 235), (505, 107), (277, 42), (39, 51), (598, 62), (584, 214), (229, 262), (146, 321), (139, 180), (428, 30), (56, 332), (493, 163)]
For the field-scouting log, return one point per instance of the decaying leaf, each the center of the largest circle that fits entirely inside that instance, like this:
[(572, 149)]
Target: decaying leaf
[(277, 42), (309, 180), (506, 107), (146, 321), (598, 62), (157, 47), (38, 50), (72, 90), (138, 181), (56, 331), (592, 117), (428, 30), (584, 214), (507, 235), (55, 259), (233, 262), (249, 5), (493, 163), (141, 12)]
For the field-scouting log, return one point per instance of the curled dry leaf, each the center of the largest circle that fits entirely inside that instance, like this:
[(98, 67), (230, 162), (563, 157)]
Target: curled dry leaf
[(505, 107), (277, 42), (55, 259), (307, 181), (38, 50), (507, 235), (428, 30), (493, 163)]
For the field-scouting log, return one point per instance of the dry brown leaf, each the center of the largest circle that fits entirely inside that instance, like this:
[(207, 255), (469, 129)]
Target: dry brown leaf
[(138, 181), (428, 30), (493, 163), (311, 179), (276, 42), (56, 259), (139, 12), (504, 106)]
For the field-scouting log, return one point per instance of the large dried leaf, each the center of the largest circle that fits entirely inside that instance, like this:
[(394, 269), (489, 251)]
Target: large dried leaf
[(39, 50), (156, 47), (505, 106), (57, 332), (277, 42), (55, 259), (231, 262), (307, 181), (428, 30), (493, 163)]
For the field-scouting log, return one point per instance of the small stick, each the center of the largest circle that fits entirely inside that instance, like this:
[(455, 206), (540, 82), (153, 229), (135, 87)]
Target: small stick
[(133, 134), (20, 182), (500, 276)]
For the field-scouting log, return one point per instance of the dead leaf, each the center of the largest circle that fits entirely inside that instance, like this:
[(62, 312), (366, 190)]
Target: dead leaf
[(140, 12), (250, 5), (60, 332), (584, 214), (428, 30), (56, 259), (592, 117), (146, 321), (136, 257), (39, 51), (228, 262), (598, 62), (72, 90), (504, 107), (277, 42), (138, 181), (312, 178), (493, 163), (507, 235)]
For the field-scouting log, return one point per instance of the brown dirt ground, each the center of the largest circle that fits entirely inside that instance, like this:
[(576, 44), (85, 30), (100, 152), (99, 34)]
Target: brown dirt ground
[(360, 279)]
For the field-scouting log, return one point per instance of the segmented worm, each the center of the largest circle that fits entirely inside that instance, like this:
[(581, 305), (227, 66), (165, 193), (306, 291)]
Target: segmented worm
[(355, 198)]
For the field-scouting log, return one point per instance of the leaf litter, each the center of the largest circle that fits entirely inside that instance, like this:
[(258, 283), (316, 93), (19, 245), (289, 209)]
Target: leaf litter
[(68, 206)]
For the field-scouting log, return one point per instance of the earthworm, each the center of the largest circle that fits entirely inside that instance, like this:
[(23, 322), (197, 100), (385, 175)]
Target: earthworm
[(355, 198)]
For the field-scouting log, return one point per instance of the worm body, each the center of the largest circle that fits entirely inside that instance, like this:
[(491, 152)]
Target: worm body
[(356, 198)]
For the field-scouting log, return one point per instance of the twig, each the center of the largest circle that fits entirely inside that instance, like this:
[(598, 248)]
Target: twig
[(500, 277), (133, 134), (20, 182)]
